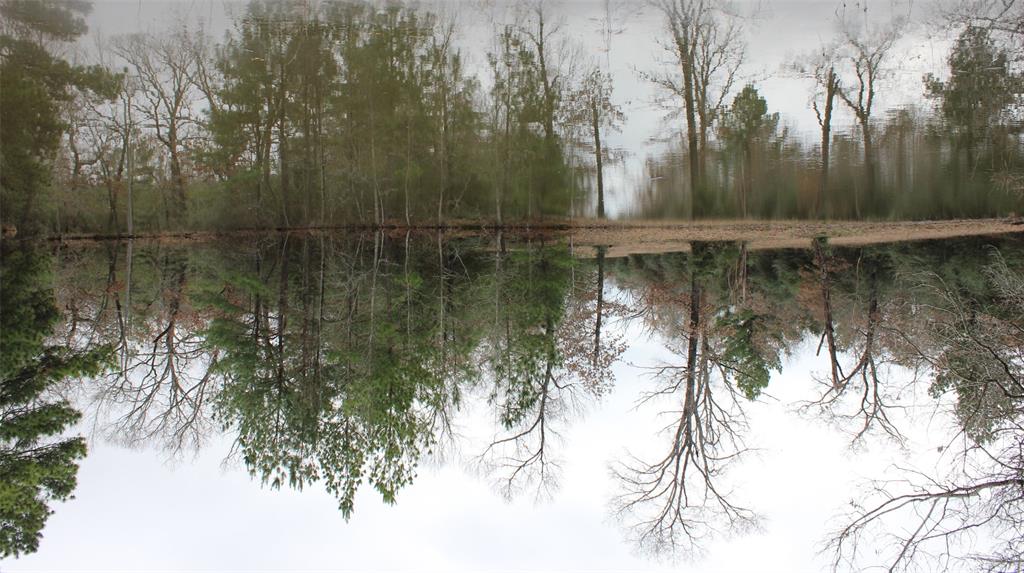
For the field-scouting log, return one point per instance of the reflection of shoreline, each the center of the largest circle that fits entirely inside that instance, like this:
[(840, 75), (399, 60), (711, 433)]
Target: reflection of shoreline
[(640, 236)]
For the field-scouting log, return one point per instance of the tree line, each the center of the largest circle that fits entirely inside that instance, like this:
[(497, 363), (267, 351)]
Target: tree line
[(301, 116), (338, 113), (922, 171), (738, 160)]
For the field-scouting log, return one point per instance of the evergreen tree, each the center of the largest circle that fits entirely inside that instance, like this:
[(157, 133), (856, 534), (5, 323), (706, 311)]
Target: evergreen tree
[(35, 84), (36, 467), (980, 87)]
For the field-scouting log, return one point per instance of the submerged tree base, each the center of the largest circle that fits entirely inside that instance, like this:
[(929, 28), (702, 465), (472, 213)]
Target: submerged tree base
[(639, 236)]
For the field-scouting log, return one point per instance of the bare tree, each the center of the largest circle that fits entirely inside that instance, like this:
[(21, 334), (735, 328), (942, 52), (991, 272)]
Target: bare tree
[(972, 513), (821, 68), (521, 456), (867, 51), (536, 393), (873, 396), (1004, 17), (542, 33), (161, 389), (705, 43), (165, 66)]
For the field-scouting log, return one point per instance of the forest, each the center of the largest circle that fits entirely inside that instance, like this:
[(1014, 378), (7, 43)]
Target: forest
[(332, 113), (347, 242)]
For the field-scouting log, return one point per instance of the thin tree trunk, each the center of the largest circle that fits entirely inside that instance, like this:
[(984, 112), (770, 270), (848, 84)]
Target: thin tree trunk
[(691, 123), (831, 86), (177, 176), (693, 336), (408, 165), (600, 304), (596, 125), (282, 146), (869, 164), (826, 301)]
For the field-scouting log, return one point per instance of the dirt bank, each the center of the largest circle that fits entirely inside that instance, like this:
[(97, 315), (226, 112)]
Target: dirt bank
[(659, 237), (628, 237)]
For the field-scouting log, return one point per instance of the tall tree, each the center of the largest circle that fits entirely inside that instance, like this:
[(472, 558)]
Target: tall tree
[(36, 83), (592, 107), (821, 67), (747, 123), (163, 68), (706, 45), (980, 89), (37, 466), (867, 52)]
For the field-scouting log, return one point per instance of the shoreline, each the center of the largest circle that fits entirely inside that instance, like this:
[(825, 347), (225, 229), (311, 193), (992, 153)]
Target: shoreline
[(621, 238)]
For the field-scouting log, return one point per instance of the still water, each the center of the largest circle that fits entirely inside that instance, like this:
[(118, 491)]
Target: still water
[(329, 113), (428, 402)]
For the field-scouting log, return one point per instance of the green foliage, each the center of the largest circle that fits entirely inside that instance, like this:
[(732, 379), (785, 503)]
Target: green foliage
[(526, 355), (36, 467), (981, 87), (748, 118), (528, 172), (307, 86), (341, 359), (744, 354), (36, 83), (338, 402)]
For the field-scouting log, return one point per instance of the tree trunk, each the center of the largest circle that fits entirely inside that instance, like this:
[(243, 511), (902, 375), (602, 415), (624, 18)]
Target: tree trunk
[(748, 175), (113, 224), (282, 146), (549, 98), (600, 304), (826, 302), (596, 124), (693, 336), (831, 86), (445, 162), (265, 154), (869, 164), (691, 124), (307, 154), (177, 177)]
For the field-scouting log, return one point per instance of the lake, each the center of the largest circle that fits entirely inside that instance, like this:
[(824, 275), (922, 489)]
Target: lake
[(258, 115)]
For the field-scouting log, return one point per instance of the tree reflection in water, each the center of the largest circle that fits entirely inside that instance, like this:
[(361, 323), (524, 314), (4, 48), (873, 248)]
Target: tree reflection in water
[(350, 360)]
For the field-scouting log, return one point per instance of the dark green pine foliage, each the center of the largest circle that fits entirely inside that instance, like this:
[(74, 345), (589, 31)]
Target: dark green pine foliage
[(746, 124), (35, 85), (980, 89), (37, 466)]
